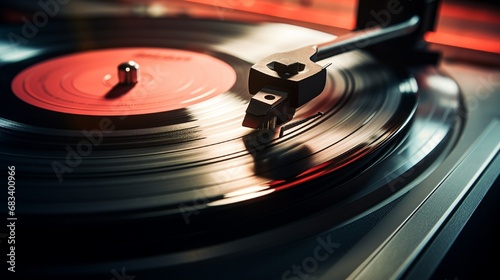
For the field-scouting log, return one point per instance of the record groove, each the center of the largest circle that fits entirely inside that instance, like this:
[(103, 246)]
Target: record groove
[(146, 171)]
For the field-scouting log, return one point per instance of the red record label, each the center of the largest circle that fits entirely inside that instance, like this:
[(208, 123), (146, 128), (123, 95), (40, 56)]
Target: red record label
[(87, 83)]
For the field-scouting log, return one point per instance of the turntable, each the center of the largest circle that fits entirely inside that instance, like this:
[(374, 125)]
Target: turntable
[(184, 140)]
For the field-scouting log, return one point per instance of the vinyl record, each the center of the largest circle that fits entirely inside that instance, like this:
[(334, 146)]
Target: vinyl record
[(159, 173)]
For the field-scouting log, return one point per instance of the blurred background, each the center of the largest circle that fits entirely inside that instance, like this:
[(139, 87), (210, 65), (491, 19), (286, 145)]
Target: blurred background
[(462, 24)]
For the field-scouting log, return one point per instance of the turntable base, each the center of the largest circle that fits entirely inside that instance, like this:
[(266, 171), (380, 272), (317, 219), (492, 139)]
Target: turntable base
[(170, 180)]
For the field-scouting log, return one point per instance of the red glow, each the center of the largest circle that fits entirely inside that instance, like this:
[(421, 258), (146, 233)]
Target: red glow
[(450, 10), (481, 32), (339, 13), (461, 41)]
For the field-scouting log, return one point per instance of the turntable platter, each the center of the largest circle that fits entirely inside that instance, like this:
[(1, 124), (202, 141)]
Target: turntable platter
[(185, 167)]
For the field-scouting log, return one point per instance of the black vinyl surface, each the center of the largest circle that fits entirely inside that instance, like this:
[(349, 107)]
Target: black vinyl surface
[(191, 185)]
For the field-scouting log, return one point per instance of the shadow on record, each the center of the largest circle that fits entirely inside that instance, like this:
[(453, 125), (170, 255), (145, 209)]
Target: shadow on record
[(277, 161)]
